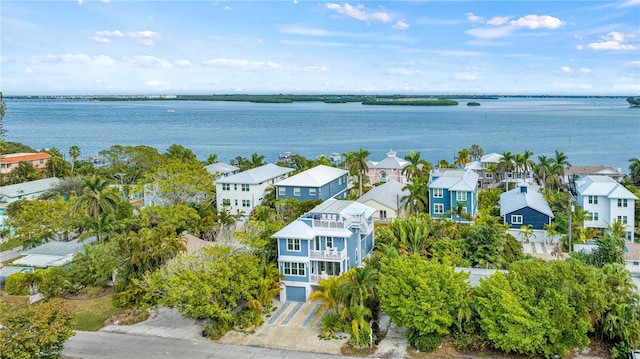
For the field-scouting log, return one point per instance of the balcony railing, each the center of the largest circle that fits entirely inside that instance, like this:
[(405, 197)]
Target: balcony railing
[(315, 278), (331, 224), (328, 254)]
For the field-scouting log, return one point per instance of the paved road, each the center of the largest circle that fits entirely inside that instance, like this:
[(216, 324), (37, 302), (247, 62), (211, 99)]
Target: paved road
[(95, 345), (10, 254)]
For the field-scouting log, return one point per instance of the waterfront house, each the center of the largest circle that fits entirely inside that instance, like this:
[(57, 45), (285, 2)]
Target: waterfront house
[(523, 206), (221, 169), (27, 190), (449, 189), (242, 192), (389, 169), (387, 199), (632, 258), (11, 161), (606, 202), (326, 241), (320, 182)]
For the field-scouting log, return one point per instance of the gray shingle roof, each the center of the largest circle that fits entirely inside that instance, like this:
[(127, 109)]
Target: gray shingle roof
[(257, 175)]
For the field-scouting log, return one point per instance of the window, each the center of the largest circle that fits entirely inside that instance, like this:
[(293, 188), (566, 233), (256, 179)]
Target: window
[(293, 245), (488, 175), (296, 191), (593, 199), (245, 188), (339, 181), (226, 202), (516, 219), (383, 215), (329, 242), (226, 187), (236, 202), (622, 219), (438, 208), (312, 191), (282, 191), (246, 203), (622, 202), (294, 268), (235, 186), (437, 192), (593, 216), (461, 196)]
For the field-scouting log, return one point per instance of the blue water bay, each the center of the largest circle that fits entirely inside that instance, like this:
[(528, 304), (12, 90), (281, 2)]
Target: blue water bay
[(591, 131)]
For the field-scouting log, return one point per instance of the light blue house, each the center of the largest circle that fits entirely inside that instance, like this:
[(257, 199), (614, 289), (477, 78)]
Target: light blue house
[(328, 240), (449, 188), (522, 206), (320, 182)]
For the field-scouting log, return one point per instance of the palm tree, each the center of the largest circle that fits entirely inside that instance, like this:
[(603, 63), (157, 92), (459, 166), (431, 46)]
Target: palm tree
[(256, 160), (97, 200), (459, 211), (527, 232), (328, 293), (356, 162), (464, 157), (560, 163), (418, 199), (506, 164), (359, 320), (357, 288), (476, 152), (417, 166), (74, 153), (552, 230), (543, 169), (526, 163)]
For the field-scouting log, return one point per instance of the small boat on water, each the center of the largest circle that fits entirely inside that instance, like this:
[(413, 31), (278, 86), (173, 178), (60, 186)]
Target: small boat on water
[(171, 111)]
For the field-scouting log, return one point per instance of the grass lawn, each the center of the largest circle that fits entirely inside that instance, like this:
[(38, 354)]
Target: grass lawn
[(91, 313), (10, 244)]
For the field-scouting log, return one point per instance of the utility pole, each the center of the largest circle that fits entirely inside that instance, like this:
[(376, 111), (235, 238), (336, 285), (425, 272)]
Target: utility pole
[(571, 209)]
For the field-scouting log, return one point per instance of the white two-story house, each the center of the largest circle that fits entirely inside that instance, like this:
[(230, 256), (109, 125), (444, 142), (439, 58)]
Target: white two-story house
[(606, 201), (242, 192)]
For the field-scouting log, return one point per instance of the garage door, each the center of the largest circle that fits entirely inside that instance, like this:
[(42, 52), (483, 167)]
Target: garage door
[(296, 294)]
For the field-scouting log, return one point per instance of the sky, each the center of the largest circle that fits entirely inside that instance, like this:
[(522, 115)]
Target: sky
[(511, 47)]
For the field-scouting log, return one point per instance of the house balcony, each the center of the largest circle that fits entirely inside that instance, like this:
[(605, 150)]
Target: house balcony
[(315, 278), (332, 254), (331, 224)]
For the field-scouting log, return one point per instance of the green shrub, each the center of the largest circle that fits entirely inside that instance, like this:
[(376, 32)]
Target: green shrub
[(52, 281), (330, 324), (18, 283), (423, 342)]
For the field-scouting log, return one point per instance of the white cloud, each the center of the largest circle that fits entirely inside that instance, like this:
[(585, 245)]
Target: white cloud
[(75, 58), (612, 41), (259, 41), (566, 69), (241, 64), (473, 18), (489, 32), (498, 20), (359, 13), (116, 33), (316, 68), (632, 64), (228, 8), (149, 61), (403, 72), (184, 64), (146, 38), (102, 40), (156, 83), (401, 25), (301, 30), (585, 70), (538, 22), (629, 3)]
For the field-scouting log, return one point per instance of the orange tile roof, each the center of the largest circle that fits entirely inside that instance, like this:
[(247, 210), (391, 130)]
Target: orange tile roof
[(19, 157)]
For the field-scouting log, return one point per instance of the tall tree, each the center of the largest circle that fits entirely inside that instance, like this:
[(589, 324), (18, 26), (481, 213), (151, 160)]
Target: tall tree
[(180, 153), (97, 200), (356, 162), (464, 157), (634, 168), (175, 182), (476, 152), (416, 167), (74, 153), (560, 163), (418, 198), (543, 169)]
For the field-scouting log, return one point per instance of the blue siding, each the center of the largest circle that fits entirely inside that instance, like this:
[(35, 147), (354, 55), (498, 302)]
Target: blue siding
[(529, 216), (296, 294), (304, 248), (324, 192)]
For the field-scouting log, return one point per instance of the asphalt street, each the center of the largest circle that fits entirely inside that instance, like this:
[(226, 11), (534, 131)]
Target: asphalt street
[(94, 345)]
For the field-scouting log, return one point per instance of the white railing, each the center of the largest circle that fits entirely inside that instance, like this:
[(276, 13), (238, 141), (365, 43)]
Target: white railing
[(331, 224), (315, 278), (328, 254)]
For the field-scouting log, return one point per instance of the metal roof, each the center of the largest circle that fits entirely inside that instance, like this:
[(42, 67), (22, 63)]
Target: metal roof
[(220, 167), (343, 207), (389, 194), (603, 186), (515, 199), (455, 180), (391, 161), (28, 188), (257, 175), (317, 176)]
